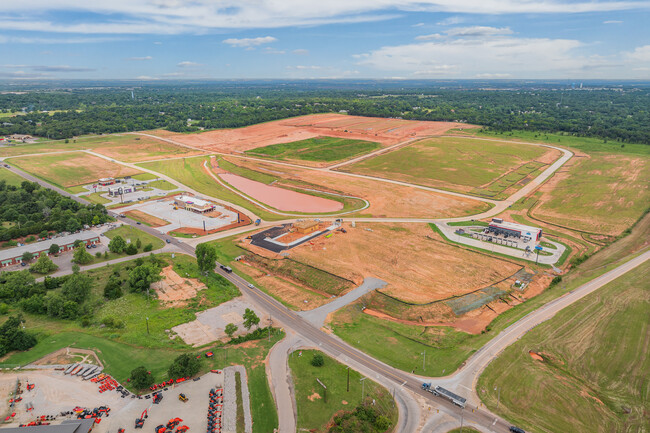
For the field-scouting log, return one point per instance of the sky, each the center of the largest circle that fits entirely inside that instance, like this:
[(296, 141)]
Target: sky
[(298, 39)]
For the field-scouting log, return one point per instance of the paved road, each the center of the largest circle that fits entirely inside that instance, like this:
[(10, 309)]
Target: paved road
[(317, 316)]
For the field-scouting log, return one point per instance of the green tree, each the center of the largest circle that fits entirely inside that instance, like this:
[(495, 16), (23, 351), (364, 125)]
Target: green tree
[(81, 256), (206, 257), (117, 245), (141, 378), (318, 360), (113, 289), (43, 265), (27, 256), (250, 318), (138, 243), (69, 310), (184, 365), (131, 249), (148, 248), (231, 328), (77, 287), (141, 277), (54, 249)]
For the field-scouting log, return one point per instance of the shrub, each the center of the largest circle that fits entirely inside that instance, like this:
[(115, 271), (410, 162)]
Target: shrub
[(131, 249), (141, 378), (117, 245), (184, 366), (43, 265), (98, 255), (148, 248), (318, 360)]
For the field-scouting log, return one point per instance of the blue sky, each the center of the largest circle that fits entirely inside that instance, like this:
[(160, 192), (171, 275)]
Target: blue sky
[(216, 39)]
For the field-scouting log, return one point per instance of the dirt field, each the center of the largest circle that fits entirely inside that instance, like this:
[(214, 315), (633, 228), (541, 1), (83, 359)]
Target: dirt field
[(69, 355), (386, 200), (384, 131), (175, 289), (146, 218), (417, 267), (69, 169)]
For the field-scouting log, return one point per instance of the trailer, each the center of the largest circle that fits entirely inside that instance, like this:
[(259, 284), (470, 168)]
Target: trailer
[(76, 370), (445, 393), (89, 372), (83, 371), (70, 368)]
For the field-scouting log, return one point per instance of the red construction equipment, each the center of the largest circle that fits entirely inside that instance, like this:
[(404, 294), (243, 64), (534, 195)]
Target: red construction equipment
[(160, 429), (209, 355), (182, 429)]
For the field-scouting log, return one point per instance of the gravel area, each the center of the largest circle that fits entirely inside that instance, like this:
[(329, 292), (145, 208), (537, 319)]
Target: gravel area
[(230, 400)]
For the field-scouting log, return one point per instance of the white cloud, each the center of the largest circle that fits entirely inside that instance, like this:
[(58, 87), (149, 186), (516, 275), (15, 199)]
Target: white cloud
[(418, 25), (54, 41), (269, 50), (188, 64), (493, 76), (469, 57), (641, 54), (198, 16), (479, 31), (145, 77), (249, 42), (429, 37), (137, 59), (305, 67), (613, 22), (451, 21), (301, 52)]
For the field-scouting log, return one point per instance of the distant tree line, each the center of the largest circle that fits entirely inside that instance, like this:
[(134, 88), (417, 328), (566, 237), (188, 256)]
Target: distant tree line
[(620, 114)]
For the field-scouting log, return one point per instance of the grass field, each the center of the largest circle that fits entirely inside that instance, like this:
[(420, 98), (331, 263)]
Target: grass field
[(162, 184), (314, 412), (69, 169), (133, 234), (318, 149), (10, 177), (459, 164), (595, 361), (96, 197), (465, 430), (144, 176), (127, 147)]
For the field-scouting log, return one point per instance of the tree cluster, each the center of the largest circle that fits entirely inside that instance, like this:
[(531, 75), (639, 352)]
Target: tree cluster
[(33, 210), (12, 337)]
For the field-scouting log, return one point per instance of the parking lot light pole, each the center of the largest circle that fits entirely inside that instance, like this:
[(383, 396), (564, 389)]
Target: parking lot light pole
[(363, 389)]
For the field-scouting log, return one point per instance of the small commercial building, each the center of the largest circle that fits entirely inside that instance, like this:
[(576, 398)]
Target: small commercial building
[(193, 204), (67, 426), (306, 227), (14, 256), (105, 181), (498, 226), (119, 190)]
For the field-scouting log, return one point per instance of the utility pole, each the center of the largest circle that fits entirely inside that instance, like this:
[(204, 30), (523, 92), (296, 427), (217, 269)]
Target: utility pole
[(461, 419), (363, 390), (147, 319), (424, 357), (348, 379)]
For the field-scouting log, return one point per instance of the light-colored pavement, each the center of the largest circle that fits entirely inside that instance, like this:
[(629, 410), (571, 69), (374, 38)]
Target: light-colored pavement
[(317, 316), (279, 377)]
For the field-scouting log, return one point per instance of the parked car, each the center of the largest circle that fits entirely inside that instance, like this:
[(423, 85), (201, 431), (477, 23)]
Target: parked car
[(514, 429), (168, 241)]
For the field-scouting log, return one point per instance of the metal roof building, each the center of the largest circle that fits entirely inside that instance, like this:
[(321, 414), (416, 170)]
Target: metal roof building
[(519, 230), (67, 426), (14, 255)]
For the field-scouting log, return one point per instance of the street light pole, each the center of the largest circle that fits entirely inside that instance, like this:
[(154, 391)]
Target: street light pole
[(363, 390)]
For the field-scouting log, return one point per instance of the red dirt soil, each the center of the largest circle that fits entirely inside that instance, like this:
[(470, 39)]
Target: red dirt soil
[(384, 131), (280, 198)]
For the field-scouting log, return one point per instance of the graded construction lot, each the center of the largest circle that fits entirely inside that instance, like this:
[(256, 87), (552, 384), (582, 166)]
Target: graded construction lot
[(126, 147), (592, 357), (488, 168), (380, 130), (386, 199), (69, 169), (417, 265)]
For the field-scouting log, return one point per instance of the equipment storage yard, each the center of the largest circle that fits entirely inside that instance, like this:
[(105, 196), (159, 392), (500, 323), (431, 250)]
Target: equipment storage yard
[(55, 392)]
